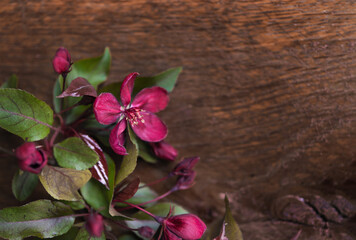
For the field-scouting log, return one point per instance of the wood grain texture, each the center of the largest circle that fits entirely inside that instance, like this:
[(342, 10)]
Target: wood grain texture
[(266, 97)]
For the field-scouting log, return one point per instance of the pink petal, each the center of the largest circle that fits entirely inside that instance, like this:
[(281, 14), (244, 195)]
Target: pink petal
[(148, 126), (117, 138), (186, 226), (127, 87), (168, 235), (106, 108), (152, 99)]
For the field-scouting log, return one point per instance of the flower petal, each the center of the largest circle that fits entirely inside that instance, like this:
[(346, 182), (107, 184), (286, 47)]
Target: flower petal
[(127, 87), (106, 108), (148, 127), (117, 138), (186, 226), (152, 99)]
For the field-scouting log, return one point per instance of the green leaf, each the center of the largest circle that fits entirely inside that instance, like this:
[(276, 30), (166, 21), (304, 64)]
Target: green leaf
[(142, 195), (24, 115), (63, 183), (42, 218), (71, 234), (113, 88), (23, 184), (57, 101), (74, 153), (129, 161), (160, 209), (229, 229), (75, 205), (84, 235), (12, 82), (166, 80), (95, 70)]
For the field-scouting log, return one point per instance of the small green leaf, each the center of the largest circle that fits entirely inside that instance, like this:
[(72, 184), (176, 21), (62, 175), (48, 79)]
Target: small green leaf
[(75, 205), (42, 218), (95, 70), (142, 195), (113, 88), (229, 229), (24, 115), (12, 82), (129, 161), (63, 183), (74, 153), (57, 101), (144, 151), (84, 235), (23, 184), (166, 80)]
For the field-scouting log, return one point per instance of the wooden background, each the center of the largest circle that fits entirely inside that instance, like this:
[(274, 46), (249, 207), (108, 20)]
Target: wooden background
[(266, 98)]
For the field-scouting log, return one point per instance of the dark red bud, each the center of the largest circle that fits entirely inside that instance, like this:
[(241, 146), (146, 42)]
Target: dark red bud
[(185, 182), (164, 150), (30, 158), (146, 232), (185, 226), (185, 166), (62, 61), (95, 224)]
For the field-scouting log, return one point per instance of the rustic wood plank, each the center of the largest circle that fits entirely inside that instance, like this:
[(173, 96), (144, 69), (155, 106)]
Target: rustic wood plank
[(266, 98)]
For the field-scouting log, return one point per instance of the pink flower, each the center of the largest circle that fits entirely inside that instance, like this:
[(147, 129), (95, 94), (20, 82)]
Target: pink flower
[(62, 61), (139, 113), (184, 226), (164, 150), (30, 158), (94, 224)]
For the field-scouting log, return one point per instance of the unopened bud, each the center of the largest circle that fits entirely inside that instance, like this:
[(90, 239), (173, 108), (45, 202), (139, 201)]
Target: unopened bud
[(164, 150), (95, 225), (62, 61), (146, 232), (30, 158)]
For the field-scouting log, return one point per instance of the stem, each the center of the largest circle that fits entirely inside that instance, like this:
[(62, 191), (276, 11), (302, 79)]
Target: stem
[(141, 209), (150, 201), (157, 181), (7, 151), (122, 225)]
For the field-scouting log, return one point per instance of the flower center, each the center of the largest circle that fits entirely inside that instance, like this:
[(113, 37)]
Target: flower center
[(134, 116)]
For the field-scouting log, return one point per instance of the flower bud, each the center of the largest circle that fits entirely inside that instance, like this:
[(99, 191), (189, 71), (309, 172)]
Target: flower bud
[(185, 182), (31, 159), (146, 232), (62, 61), (95, 225), (184, 226), (185, 166), (164, 150)]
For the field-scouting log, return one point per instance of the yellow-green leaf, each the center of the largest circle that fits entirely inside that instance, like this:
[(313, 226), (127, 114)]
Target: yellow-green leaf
[(63, 183)]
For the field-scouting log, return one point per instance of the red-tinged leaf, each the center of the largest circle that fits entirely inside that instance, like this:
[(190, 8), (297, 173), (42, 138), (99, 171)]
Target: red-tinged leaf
[(100, 170), (126, 190), (79, 87)]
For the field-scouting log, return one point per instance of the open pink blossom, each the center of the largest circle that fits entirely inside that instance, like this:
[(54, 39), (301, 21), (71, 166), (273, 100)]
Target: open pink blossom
[(184, 226), (139, 113)]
